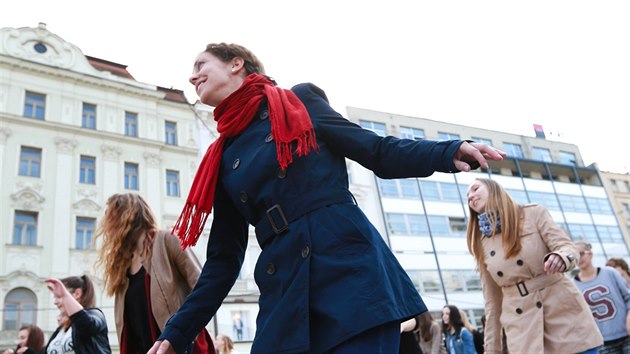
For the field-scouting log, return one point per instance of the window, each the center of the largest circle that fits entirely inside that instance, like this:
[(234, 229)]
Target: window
[(518, 195), (87, 170), (25, 228), (513, 150), (170, 133), (34, 105), (399, 188), (599, 206), (458, 226), (614, 186), (131, 124), (567, 158), (378, 128), (541, 154), (411, 133), (131, 176), (20, 305), (439, 191), (447, 136), (626, 210), (609, 233), (572, 203), (627, 184), (482, 140), (583, 232), (548, 200), (172, 183), (30, 161), (84, 234), (406, 224), (88, 118)]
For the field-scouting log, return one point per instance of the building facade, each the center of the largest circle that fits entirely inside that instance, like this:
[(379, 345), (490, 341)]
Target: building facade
[(74, 130), (618, 186)]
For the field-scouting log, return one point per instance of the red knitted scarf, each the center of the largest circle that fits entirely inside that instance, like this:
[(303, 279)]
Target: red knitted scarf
[(290, 123)]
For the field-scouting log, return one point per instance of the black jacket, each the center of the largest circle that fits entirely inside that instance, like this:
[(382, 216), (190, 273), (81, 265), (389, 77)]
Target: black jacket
[(89, 332)]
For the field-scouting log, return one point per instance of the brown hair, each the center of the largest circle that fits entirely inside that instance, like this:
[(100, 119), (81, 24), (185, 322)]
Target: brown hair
[(425, 321), (507, 211), (35, 339), (88, 298), (226, 52), (618, 262), (229, 344), (127, 217)]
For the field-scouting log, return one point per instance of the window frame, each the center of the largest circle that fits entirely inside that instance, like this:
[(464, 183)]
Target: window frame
[(34, 105), (28, 229), (88, 116), (30, 163), (131, 181), (87, 173), (131, 124)]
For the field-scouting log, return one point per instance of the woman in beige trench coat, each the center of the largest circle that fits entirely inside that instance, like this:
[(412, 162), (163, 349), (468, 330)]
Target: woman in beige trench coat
[(522, 254)]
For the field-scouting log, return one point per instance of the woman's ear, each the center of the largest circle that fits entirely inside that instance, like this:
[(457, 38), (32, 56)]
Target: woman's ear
[(77, 294), (237, 64)]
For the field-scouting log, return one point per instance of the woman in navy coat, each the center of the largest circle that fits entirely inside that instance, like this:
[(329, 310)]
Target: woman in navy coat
[(328, 282)]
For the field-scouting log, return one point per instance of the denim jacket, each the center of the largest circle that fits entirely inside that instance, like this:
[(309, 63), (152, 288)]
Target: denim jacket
[(460, 342)]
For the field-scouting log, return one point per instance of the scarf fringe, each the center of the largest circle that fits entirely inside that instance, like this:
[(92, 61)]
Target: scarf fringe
[(189, 225), (305, 143)]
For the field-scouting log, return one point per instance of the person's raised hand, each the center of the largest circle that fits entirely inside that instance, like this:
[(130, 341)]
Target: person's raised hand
[(472, 155)]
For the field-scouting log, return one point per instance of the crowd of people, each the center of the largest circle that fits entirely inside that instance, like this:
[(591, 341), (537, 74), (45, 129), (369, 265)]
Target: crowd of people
[(328, 282)]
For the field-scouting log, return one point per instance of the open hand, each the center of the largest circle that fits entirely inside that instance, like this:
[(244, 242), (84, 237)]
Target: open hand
[(472, 155)]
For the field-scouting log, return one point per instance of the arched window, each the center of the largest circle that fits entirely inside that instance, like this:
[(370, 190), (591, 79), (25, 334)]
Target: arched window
[(19, 309)]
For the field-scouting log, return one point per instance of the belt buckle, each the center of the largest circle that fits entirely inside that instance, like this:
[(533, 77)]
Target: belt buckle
[(522, 289), (277, 230)]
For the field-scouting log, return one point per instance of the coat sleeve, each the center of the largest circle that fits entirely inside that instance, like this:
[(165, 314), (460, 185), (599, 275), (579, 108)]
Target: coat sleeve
[(387, 157), (185, 261), (493, 300), (436, 339), (557, 241), (91, 322), (224, 257), (469, 343)]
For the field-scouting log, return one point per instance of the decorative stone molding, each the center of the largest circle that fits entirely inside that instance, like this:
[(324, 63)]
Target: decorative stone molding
[(86, 205), (66, 145), (111, 153), (153, 160), (28, 198), (5, 133)]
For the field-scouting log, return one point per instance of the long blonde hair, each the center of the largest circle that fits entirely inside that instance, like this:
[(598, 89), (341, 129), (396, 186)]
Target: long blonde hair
[(127, 217), (507, 211)]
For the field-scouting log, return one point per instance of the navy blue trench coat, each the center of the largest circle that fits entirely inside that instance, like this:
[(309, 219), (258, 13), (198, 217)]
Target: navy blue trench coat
[(325, 274)]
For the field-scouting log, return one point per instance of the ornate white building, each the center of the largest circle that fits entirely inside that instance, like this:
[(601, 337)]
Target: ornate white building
[(74, 130)]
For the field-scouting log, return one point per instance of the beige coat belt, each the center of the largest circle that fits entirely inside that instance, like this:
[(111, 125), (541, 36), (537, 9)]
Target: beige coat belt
[(529, 286)]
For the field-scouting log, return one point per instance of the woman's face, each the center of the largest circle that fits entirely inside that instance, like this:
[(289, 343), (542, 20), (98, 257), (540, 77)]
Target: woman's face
[(76, 294), (22, 338), (446, 315), (477, 196), (213, 79)]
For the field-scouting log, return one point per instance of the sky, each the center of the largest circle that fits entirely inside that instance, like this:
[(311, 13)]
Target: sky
[(502, 65)]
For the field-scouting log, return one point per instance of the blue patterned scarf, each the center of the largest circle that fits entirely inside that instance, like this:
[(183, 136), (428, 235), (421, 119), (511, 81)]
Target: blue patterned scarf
[(486, 227)]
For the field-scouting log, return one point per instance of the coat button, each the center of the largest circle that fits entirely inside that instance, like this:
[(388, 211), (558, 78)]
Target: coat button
[(235, 164), (268, 138), (500, 273), (539, 304), (519, 262), (492, 253), (243, 197), (281, 173), (264, 114), (306, 251), (271, 269), (519, 311)]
